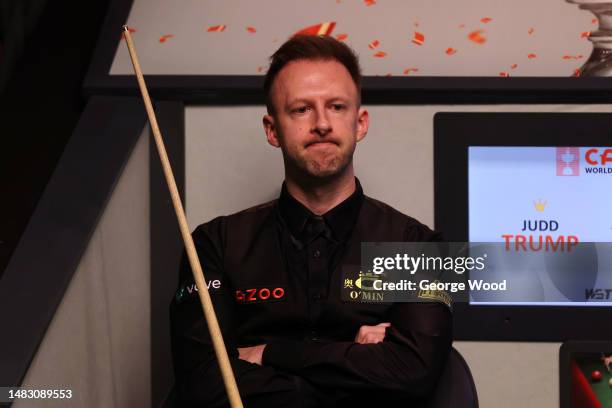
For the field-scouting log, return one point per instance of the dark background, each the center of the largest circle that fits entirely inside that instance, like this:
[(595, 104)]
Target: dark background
[(45, 50)]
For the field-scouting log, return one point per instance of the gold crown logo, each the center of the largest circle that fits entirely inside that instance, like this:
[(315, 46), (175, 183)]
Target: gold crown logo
[(540, 205)]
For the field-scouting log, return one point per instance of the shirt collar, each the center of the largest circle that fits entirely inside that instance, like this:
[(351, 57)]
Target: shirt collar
[(340, 219)]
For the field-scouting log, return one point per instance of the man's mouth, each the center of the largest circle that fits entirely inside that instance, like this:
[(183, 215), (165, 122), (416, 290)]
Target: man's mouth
[(321, 144)]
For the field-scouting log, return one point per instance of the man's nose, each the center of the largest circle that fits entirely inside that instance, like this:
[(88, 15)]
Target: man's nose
[(322, 125)]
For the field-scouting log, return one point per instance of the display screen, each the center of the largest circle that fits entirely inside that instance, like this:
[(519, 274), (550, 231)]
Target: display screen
[(543, 203)]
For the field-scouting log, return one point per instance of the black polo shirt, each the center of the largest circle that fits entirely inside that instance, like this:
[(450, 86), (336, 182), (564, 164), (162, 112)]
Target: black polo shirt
[(275, 274)]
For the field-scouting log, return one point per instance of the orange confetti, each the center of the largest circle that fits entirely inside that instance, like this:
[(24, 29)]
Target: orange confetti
[(418, 38), (585, 34), (341, 37), (572, 57), (216, 28), (531, 56), (513, 66), (251, 29), (531, 31), (477, 37), (450, 51), (369, 2), (163, 38), (259, 69), (504, 74), (407, 71), (380, 54), (577, 72), (373, 44), (594, 21), (318, 29), (486, 20)]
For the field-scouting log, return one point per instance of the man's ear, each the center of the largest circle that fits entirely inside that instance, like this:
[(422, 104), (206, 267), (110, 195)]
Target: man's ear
[(363, 123), (270, 129)]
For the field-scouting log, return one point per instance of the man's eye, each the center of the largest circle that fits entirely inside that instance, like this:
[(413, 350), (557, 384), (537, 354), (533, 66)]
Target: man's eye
[(301, 109), (338, 106)]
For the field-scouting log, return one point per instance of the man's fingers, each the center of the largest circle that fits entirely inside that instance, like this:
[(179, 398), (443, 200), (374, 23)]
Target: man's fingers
[(376, 330), (251, 354), (372, 334), (371, 338)]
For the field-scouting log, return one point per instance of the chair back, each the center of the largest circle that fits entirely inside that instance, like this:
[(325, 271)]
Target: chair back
[(456, 388)]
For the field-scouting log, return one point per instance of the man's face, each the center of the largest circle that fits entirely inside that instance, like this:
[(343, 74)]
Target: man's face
[(317, 120)]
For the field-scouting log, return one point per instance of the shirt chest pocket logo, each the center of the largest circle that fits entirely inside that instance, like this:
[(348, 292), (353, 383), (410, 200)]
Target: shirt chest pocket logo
[(259, 295)]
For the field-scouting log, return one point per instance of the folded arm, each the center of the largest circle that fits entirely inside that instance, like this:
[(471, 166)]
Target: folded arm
[(407, 363)]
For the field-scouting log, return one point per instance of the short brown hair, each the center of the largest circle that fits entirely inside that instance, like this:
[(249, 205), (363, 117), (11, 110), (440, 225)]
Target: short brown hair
[(311, 47)]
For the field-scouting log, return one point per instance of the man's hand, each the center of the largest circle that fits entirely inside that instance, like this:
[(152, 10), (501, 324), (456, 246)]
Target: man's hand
[(371, 334), (252, 354)]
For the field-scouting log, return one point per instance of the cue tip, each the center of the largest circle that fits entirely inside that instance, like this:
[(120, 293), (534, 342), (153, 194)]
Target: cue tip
[(125, 28)]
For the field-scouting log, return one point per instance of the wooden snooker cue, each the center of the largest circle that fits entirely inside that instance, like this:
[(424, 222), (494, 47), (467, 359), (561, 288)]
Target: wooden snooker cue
[(209, 313)]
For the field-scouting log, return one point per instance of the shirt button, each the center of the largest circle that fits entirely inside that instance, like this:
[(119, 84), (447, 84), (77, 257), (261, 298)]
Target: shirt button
[(316, 253)]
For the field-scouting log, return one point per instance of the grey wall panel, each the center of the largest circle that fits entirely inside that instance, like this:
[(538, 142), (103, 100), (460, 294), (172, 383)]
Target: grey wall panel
[(229, 164), (510, 375), (98, 343), (58, 232)]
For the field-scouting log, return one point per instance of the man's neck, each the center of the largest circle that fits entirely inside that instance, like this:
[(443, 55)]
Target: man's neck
[(320, 197)]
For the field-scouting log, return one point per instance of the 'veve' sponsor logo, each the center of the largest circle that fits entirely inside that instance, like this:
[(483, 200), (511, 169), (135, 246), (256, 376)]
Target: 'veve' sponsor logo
[(261, 294), (189, 290)]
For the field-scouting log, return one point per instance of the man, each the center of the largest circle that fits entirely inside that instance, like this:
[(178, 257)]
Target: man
[(277, 268)]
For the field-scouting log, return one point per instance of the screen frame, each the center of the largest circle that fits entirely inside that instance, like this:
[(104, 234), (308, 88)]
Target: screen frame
[(453, 134)]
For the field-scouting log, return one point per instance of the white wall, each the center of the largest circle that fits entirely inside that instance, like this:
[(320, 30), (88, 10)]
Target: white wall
[(98, 343), (230, 166)]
